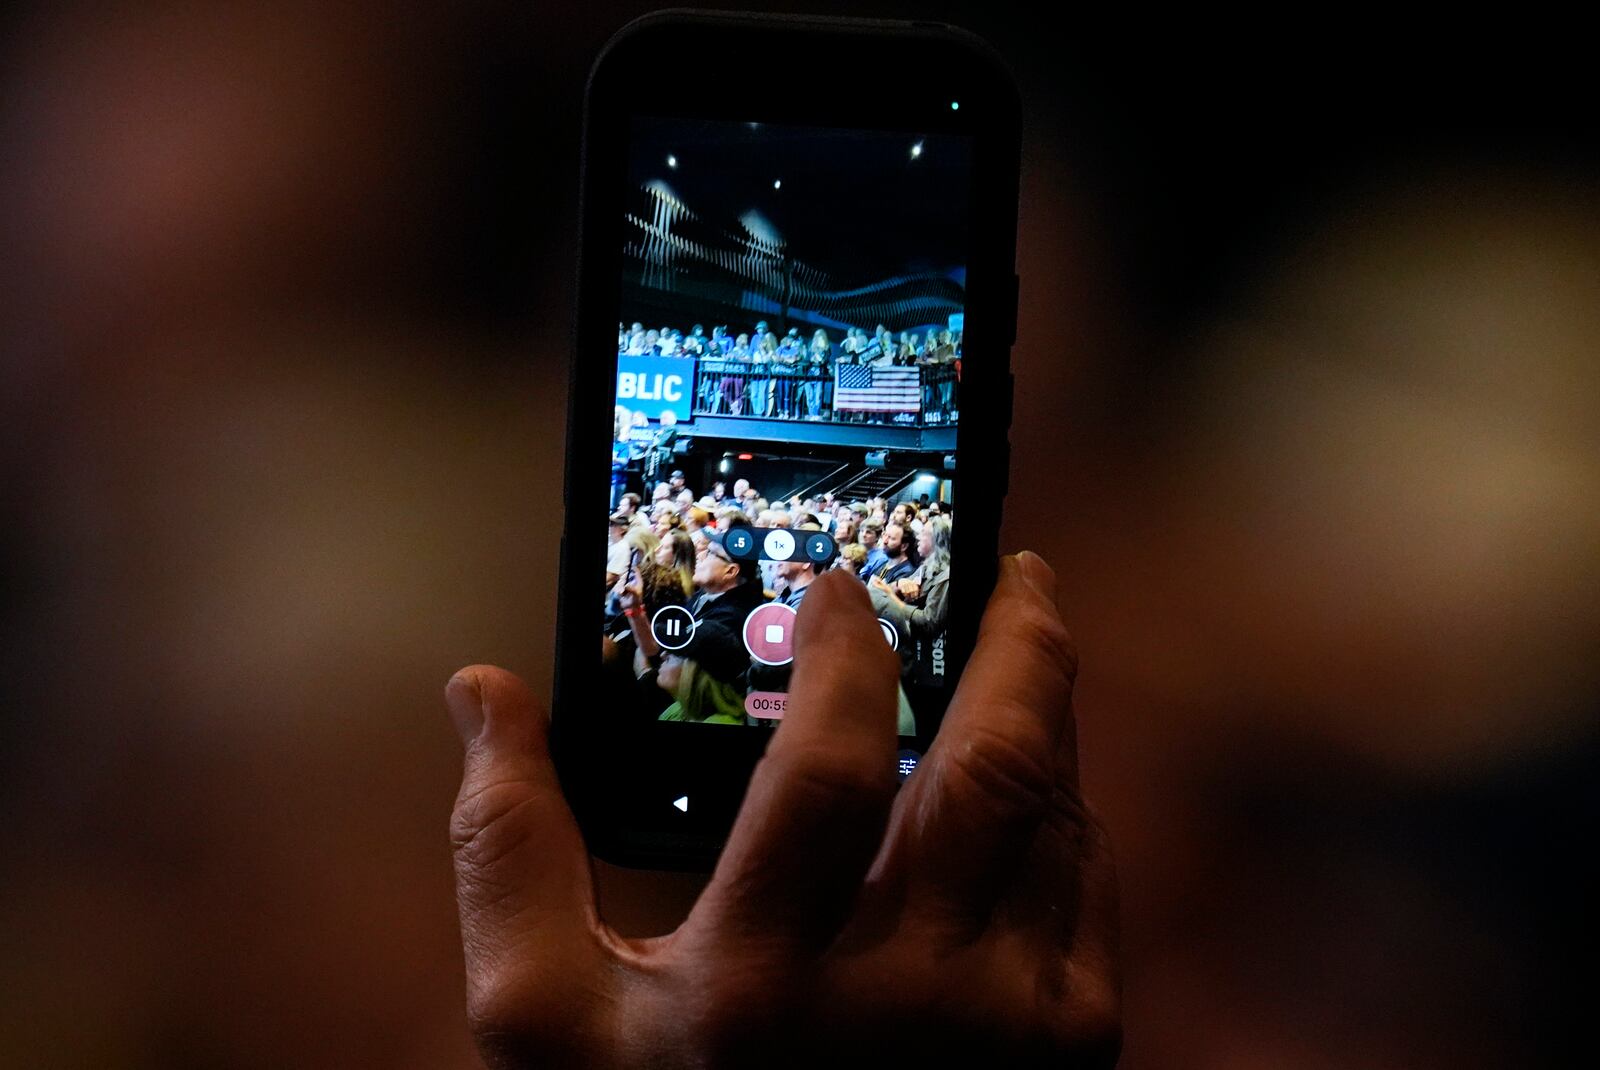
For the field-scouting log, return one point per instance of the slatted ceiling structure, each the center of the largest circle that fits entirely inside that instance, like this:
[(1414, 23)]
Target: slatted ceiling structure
[(678, 252)]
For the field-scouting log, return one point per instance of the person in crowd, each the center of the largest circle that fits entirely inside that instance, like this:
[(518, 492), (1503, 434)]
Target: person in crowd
[(677, 552), (871, 536), (676, 482), (667, 520), (758, 387), (684, 501), (639, 437), (622, 422), (694, 343), (619, 472), (844, 530), (662, 492), (897, 561), (667, 344), (848, 348), (628, 506), (661, 446), (795, 577), (733, 380), (617, 552), (640, 541), (654, 585), (906, 515), (852, 558), (948, 354), (785, 376), (739, 488), (887, 354), (710, 398), (728, 590), (921, 600), (729, 516), (923, 357), (907, 348), (697, 517), (927, 356)]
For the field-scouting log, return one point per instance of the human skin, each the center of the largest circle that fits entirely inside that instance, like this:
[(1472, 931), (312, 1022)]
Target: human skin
[(971, 911)]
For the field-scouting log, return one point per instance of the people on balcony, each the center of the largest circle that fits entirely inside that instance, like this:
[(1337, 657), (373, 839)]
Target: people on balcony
[(790, 380)]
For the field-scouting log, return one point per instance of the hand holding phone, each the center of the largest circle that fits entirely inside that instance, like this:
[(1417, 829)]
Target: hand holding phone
[(970, 919)]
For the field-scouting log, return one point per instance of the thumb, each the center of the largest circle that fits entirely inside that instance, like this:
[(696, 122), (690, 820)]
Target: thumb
[(523, 884)]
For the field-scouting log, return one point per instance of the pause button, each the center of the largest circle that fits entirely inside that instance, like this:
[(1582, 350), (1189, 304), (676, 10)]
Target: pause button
[(672, 627)]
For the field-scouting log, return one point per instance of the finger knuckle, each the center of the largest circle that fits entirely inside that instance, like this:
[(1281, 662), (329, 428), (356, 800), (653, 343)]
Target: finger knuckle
[(1012, 772), (1068, 819), (1042, 635), (483, 825)]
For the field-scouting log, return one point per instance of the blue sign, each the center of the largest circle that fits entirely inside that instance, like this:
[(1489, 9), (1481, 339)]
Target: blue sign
[(654, 385)]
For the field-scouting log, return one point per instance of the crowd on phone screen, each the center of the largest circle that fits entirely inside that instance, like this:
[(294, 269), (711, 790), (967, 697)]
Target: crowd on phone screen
[(673, 552), (791, 377)]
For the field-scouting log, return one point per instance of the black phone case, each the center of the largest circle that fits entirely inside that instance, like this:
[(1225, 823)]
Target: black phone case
[(621, 782)]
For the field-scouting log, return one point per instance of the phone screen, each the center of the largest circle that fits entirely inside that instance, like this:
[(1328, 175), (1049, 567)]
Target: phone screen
[(788, 401)]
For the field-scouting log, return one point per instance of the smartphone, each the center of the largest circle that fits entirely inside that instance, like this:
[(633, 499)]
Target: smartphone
[(791, 230)]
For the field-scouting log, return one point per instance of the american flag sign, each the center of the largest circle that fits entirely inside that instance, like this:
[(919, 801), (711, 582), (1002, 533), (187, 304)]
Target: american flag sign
[(863, 388)]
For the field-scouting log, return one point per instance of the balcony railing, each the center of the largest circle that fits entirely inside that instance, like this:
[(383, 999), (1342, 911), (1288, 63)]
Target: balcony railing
[(782, 392)]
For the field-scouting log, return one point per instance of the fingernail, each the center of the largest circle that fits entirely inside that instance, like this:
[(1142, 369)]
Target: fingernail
[(1038, 575), (465, 704)]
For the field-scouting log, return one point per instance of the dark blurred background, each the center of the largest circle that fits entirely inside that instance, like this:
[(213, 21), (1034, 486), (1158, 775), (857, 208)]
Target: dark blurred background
[(1308, 368)]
